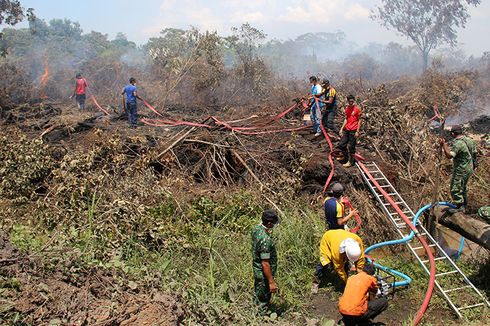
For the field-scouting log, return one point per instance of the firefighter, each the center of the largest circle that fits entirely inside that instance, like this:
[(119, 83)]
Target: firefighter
[(350, 132), (130, 95), (463, 153), (354, 305), (335, 208), (79, 91), (330, 108), (337, 249), (316, 105)]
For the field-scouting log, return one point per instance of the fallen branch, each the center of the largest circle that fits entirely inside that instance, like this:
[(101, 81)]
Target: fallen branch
[(248, 168), (176, 142)]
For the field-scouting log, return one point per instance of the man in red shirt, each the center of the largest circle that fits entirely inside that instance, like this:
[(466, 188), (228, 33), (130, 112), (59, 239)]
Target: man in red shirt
[(354, 304), (79, 92), (349, 132)]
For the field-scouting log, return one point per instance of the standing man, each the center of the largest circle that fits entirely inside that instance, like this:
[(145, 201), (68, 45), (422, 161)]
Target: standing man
[(316, 106), (79, 91), (349, 132), (354, 305), (264, 260), (463, 153), (337, 248), (330, 109), (334, 208), (129, 99)]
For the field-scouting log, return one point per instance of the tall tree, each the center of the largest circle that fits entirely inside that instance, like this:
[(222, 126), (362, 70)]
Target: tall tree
[(428, 23), (11, 12)]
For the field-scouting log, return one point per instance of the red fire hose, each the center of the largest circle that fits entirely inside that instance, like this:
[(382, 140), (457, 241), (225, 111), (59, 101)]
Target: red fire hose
[(96, 103), (330, 176), (432, 277)]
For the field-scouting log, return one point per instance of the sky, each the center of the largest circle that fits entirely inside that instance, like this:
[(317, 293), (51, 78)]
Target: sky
[(279, 19)]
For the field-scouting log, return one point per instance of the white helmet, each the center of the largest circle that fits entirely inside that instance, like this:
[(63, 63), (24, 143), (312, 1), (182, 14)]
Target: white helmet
[(351, 249)]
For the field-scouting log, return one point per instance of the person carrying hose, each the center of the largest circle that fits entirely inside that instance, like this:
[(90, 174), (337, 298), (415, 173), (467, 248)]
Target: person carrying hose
[(463, 153), (79, 91), (130, 95), (316, 105), (330, 108), (264, 261), (354, 305), (334, 208), (337, 248)]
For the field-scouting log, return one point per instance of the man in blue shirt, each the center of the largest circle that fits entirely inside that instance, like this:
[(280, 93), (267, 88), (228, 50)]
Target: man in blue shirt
[(334, 208), (316, 115), (129, 99)]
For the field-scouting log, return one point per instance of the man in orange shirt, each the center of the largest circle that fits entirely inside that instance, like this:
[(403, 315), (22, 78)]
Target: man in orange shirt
[(354, 305)]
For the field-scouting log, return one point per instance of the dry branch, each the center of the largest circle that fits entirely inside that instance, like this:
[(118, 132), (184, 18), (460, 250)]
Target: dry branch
[(176, 142)]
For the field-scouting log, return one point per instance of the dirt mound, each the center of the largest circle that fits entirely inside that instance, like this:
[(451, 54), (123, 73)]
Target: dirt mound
[(69, 297)]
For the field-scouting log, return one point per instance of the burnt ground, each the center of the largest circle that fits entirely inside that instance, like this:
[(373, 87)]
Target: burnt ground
[(59, 294), (63, 295), (401, 309)]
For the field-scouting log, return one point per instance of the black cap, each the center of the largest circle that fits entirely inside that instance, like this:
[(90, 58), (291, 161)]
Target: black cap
[(270, 216)]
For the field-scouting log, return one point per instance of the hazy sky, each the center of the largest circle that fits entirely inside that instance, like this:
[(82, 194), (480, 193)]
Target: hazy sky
[(284, 19)]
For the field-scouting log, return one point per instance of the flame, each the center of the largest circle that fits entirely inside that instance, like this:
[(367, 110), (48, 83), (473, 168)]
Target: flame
[(44, 77)]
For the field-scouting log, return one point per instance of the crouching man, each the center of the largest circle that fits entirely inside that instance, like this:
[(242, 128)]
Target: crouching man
[(354, 305)]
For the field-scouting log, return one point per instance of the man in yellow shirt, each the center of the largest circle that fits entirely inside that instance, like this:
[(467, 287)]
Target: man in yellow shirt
[(338, 247)]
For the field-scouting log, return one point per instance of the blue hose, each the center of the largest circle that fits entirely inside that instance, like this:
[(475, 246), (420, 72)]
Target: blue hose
[(460, 249), (403, 240)]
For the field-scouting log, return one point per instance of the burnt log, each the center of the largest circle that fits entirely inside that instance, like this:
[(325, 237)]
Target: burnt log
[(469, 227)]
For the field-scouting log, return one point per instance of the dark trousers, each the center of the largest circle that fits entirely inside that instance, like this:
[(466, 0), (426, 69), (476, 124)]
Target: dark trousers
[(347, 145), (322, 271), (375, 307), (262, 295), (328, 120), (80, 99), (132, 110)]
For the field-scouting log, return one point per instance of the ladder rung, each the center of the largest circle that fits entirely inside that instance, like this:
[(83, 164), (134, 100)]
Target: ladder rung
[(374, 171), (376, 179), (385, 186), (397, 219), (421, 247), (399, 202), (404, 212), (456, 289), (401, 225), (393, 193), (471, 306), (435, 259), (446, 273)]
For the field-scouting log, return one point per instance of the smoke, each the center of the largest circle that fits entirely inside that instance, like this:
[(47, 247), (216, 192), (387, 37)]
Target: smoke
[(135, 58), (467, 113)]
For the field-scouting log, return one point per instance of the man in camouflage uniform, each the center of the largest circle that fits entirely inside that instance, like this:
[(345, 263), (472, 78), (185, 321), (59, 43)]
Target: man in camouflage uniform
[(463, 153), (264, 260)]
